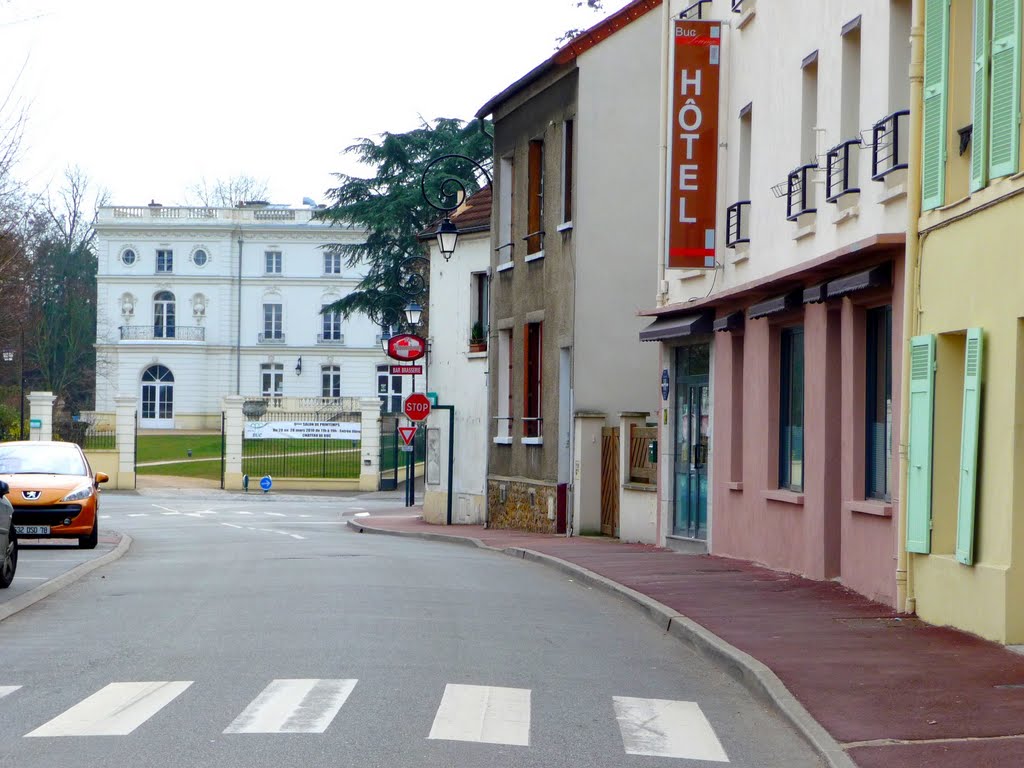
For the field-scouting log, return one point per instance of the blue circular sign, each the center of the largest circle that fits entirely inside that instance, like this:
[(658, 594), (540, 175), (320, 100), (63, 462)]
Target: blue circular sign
[(266, 482)]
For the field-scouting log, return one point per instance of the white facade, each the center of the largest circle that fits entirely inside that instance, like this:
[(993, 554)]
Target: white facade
[(180, 324), (458, 375)]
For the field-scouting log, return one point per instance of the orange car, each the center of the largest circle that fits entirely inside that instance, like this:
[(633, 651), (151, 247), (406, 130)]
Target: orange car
[(53, 490)]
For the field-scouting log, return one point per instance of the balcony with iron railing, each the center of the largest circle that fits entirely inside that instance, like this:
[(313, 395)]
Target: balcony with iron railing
[(162, 333), (800, 192), (737, 223), (271, 338), (841, 170), (889, 144)]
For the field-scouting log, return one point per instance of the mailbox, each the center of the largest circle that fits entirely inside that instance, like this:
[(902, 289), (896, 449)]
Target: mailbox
[(652, 451)]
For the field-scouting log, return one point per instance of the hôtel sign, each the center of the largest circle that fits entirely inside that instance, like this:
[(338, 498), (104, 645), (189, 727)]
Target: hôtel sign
[(694, 138)]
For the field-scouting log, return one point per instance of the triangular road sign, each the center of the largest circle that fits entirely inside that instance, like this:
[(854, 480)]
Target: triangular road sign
[(407, 433)]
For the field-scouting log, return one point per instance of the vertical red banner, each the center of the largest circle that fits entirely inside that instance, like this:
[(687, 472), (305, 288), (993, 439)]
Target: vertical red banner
[(693, 190)]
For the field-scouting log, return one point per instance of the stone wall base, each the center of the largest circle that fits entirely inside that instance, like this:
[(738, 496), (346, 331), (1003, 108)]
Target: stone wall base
[(522, 504)]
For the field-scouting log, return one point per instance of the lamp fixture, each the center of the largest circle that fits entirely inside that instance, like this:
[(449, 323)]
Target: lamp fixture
[(447, 235), (413, 312), (385, 337), (298, 366)]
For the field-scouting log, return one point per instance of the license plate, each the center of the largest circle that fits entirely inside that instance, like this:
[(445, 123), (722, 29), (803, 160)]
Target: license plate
[(32, 530)]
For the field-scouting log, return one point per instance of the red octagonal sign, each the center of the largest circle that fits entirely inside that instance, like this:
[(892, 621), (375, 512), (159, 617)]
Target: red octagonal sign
[(417, 406), (407, 346)]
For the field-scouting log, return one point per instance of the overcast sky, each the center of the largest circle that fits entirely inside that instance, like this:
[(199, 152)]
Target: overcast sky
[(148, 97)]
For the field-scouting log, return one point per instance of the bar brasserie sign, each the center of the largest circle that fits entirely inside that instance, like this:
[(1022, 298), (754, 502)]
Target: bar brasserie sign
[(694, 132)]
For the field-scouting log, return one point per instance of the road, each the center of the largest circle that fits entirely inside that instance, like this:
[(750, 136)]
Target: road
[(259, 631)]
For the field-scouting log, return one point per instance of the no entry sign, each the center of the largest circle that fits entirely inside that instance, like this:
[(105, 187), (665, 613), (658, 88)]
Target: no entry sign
[(417, 406)]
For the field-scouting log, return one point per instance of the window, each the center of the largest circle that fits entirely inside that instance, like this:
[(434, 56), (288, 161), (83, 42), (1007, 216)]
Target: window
[(878, 439), (332, 263), (738, 214), (163, 315), (791, 410), (331, 377), (532, 421), (200, 257), (506, 176), (567, 145), (478, 308), (273, 325), (128, 257), (165, 260), (331, 325), (273, 262), (389, 388), (809, 111), (535, 198), (503, 425), (272, 376), (849, 106)]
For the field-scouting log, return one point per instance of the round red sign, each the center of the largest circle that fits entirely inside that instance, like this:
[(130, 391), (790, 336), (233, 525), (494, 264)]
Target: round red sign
[(407, 346), (417, 406)]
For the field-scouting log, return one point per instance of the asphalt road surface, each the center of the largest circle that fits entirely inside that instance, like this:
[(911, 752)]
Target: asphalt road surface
[(248, 632)]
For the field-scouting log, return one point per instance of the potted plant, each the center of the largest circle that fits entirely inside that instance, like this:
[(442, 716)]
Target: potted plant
[(477, 339)]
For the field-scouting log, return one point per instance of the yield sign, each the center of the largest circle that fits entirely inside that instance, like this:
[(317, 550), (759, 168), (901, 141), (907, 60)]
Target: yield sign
[(407, 433)]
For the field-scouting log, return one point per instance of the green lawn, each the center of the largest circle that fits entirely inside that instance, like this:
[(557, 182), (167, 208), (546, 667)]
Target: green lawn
[(170, 447), (205, 469)]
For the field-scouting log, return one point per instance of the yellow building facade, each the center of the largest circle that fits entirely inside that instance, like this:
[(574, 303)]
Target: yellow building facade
[(965, 453)]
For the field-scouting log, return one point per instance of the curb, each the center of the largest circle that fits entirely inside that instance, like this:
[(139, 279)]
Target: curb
[(33, 596), (752, 674)]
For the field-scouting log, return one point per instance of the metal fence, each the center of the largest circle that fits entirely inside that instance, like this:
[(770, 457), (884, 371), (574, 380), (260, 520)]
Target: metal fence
[(391, 454), (89, 437), (303, 458)]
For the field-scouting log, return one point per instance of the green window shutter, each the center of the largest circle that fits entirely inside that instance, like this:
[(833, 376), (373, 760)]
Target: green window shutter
[(969, 448), (933, 151), (1004, 125), (922, 407), (979, 108)]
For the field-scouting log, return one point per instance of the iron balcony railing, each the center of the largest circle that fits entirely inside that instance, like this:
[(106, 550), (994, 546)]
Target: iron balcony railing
[(271, 338), (799, 192), (737, 226), (737, 6), (888, 144), (331, 338), (163, 333), (841, 171)]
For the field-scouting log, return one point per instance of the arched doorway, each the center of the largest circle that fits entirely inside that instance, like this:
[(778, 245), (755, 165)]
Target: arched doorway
[(157, 398)]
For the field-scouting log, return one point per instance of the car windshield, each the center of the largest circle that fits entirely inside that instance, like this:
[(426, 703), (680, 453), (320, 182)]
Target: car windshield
[(41, 460)]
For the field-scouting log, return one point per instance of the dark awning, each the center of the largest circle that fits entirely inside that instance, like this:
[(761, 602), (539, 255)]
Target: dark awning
[(730, 322), (815, 294), (677, 326), (876, 277), (776, 305)]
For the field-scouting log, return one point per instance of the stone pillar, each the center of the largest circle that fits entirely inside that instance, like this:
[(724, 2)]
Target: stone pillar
[(586, 472), (234, 424), (41, 412), (125, 411), (369, 441)]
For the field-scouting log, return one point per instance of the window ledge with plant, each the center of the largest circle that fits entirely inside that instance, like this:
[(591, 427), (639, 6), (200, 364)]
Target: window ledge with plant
[(477, 338)]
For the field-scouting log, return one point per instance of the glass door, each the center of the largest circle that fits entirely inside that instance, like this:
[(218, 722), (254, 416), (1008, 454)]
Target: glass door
[(692, 435)]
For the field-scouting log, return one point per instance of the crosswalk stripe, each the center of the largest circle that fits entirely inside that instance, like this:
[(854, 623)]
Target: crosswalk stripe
[(116, 710), (483, 713), (663, 728), (294, 706), (7, 690)]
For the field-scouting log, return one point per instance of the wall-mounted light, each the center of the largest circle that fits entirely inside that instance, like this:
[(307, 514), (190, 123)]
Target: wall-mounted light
[(298, 366)]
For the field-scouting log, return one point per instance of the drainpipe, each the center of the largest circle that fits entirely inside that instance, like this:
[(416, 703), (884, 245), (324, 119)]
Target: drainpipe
[(666, 28), (238, 335), (905, 600)]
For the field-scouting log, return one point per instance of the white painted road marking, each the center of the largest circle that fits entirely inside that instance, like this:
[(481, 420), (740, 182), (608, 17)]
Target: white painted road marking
[(361, 514), (7, 690), (483, 713), (276, 514), (137, 514), (166, 509), (663, 728), (115, 710), (294, 706), (232, 525)]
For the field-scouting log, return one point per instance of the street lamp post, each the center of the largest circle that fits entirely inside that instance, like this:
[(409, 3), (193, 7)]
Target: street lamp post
[(8, 357), (451, 193)]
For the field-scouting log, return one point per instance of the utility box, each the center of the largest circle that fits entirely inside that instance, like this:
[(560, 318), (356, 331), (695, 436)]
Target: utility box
[(652, 451)]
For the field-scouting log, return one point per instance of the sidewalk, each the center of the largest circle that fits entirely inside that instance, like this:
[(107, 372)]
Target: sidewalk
[(892, 691)]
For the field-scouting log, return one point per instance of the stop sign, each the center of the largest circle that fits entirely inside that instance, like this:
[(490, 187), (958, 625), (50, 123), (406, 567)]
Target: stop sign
[(417, 406)]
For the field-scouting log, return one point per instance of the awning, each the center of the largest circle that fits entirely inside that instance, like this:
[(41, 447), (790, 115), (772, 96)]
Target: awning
[(816, 294), (775, 306), (677, 326), (730, 322), (876, 277)]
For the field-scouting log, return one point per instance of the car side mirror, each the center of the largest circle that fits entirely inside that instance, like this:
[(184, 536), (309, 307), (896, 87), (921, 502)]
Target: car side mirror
[(102, 477), (4, 489)]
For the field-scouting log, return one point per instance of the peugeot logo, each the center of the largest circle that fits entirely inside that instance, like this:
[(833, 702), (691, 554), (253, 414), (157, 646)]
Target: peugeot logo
[(31, 495)]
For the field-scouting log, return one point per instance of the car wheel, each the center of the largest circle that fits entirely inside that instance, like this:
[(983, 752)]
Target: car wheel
[(90, 541), (10, 561)]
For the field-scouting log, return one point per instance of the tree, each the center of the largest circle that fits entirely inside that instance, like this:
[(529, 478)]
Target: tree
[(228, 193), (391, 207), (594, 5)]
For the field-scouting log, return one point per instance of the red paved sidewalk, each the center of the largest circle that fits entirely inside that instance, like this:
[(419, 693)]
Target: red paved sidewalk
[(893, 691)]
